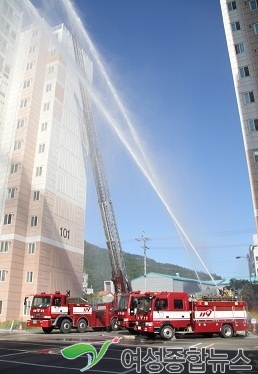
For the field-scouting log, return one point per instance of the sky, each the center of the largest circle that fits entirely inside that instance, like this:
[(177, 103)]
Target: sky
[(168, 63)]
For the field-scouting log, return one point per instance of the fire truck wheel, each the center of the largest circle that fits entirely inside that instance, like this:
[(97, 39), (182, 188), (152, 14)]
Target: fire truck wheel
[(82, 325), (226, 331), (114, 325), (47, 330), (167, 332), (65, 326)]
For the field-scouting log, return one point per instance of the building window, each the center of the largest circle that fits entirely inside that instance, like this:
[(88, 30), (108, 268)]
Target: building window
[(34, 221), (231, 6), (32, 48), (1, 306), (26, 84), (51, 69), (235, 26), (13, 35), (8, 218), (239, 48), (24, 103), (248, 97), (44, 126), (26, 308), (17, 145), (255, 156), (253, 124), (48, 87), (29, 65), (31, 248), (4, 247), (253, 4), (14, 168), (20, 123), (29, 276), (46, 107), (53, 52), (6, 28), (3, 45), (3, 88), (244, 72), (42, 148), (2, 275), (35, 32), (38, 171), (36, 195), (256, 28), (11, 192)]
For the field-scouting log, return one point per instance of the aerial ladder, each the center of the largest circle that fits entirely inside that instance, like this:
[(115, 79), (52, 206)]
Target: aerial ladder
[(119, 276)]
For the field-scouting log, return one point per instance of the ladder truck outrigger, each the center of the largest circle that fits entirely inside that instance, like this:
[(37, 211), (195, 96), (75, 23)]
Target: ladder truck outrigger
[(124, 297)]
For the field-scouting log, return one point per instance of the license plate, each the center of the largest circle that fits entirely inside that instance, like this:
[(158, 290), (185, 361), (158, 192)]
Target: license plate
[(34, 322)]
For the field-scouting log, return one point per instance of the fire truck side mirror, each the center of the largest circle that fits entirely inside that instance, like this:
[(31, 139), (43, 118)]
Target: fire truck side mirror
[(25, 300)]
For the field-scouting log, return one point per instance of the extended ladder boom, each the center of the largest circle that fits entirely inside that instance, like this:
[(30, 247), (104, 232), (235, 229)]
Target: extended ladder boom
[(119, 276)]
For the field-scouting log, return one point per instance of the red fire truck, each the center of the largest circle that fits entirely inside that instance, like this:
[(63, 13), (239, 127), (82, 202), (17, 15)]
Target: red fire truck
[(126, 317), (126, 312), (59, 311), (170, 313)]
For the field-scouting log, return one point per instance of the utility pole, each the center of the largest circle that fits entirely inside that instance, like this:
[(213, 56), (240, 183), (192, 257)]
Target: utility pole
[(144, 239)]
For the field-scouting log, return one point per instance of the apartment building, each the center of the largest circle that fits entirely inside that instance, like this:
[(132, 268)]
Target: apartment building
[(42, 169), (240, 18)]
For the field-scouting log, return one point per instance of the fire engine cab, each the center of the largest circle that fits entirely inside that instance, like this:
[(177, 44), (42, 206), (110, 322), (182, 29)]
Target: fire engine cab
[(59, 311), (170, 313)]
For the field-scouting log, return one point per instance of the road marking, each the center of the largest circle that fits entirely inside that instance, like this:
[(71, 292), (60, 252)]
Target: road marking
[(39, 365), (208, 346), (194, 345), (62, 367), (15, 353)]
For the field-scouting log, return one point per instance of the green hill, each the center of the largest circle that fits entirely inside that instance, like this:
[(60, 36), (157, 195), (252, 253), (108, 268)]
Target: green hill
[(97, 266)]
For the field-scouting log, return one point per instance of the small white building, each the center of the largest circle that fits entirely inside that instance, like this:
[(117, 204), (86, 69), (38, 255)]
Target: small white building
[(109, 286)]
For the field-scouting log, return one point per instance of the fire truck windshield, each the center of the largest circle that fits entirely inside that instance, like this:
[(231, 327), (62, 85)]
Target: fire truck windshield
[(43, 301), (143, 304), (123, 302)]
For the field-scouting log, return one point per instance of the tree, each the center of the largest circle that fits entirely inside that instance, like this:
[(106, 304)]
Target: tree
[(247, 291)]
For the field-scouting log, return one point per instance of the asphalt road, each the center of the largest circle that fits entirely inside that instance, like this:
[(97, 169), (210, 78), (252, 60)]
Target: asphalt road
[(35, 352)]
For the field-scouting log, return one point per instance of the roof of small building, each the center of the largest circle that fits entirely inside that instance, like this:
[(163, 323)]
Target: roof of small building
[(218, 282), (177, 277)]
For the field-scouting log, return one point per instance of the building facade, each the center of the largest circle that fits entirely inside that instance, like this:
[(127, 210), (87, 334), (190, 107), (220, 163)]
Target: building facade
[(240, 20), (42, 168)]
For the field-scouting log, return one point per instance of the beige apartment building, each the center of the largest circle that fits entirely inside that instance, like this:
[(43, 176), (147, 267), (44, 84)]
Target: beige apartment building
[(42, 162), (240, 20)]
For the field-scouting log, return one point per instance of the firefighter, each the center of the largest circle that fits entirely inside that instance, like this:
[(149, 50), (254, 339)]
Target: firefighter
[(58, 302), (227, 292)]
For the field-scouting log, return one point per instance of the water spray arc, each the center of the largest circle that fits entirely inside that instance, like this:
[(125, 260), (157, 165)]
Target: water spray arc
[(72, 13), (143, 164)]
